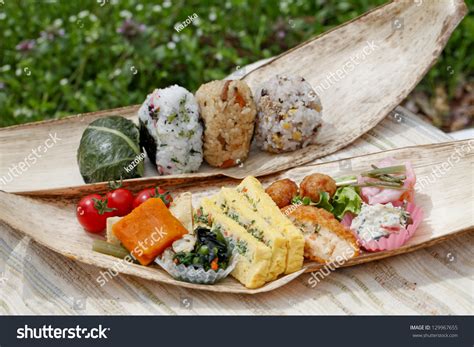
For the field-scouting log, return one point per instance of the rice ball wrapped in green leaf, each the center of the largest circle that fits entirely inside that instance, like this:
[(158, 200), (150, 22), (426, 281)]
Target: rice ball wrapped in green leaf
[(109, 150)]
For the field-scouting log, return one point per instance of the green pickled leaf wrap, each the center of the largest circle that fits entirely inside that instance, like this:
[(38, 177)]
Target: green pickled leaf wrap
[(110, 150)]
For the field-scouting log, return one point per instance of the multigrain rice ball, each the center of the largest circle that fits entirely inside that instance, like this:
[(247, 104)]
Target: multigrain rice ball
[(289, 114), (228, 113)]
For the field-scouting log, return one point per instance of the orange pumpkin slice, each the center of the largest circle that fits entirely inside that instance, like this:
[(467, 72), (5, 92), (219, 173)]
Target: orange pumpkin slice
[(148, 230)]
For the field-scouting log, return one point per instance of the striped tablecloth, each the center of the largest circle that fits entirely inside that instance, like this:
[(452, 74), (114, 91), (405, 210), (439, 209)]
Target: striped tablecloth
[(435, 280)]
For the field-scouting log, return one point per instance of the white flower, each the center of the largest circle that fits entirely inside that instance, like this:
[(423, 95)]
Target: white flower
[(83, 14), (218, 56), (72, 19), (283, 6), (171, 45), (212, 16), (5, 68), (22, 111), (156, 8), (139, 7), (93, 18), (93, 36), (199, 32), (63, 81), (58, 22), (18, 72), (166, 3), (175, 38), (125, 14), (2, 15)]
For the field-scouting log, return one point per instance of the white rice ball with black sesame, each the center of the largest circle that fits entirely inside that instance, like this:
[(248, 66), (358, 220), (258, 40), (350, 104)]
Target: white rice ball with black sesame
[(170, 130), (289, 114)]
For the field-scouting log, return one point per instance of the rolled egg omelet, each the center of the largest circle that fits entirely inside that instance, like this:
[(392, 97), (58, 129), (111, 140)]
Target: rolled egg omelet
[(252, 190), (254, 256), (239, 209)]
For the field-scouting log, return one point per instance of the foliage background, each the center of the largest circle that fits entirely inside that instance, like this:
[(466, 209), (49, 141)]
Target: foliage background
[(66, 57)]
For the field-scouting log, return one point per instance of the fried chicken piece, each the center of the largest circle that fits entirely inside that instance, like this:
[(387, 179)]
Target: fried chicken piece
[(326, 239), (282, 191), (314, 184)]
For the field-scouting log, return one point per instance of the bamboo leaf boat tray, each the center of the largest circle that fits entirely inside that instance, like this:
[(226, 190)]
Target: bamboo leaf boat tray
[(444, 192), (361, 70)]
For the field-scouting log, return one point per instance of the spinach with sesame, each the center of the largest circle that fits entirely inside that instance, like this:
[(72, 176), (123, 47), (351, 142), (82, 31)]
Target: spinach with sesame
[(211, 251)]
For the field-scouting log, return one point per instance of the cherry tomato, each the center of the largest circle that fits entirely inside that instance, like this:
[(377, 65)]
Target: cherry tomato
[(122, 200), (92, 213), (157, 192)]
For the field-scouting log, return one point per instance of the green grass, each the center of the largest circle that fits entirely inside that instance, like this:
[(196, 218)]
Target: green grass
[(91, 66)]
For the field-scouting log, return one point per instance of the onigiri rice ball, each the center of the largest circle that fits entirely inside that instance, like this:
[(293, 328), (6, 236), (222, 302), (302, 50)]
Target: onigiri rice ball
[(289, 114), (228, 113), (170, 130)]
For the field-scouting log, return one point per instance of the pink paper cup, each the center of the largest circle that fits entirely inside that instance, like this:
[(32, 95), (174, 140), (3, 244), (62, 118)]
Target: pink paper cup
[(394, 240)]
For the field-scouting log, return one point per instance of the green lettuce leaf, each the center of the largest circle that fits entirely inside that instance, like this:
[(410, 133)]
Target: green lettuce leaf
[(324, 202), (345, 200), (298, 200)]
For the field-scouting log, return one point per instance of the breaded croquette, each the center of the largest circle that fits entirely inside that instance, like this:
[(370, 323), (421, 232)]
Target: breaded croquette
[(326, 239)]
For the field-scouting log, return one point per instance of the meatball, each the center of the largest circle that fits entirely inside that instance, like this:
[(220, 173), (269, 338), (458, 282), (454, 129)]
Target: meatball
[(282, 191), (314, 184)]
